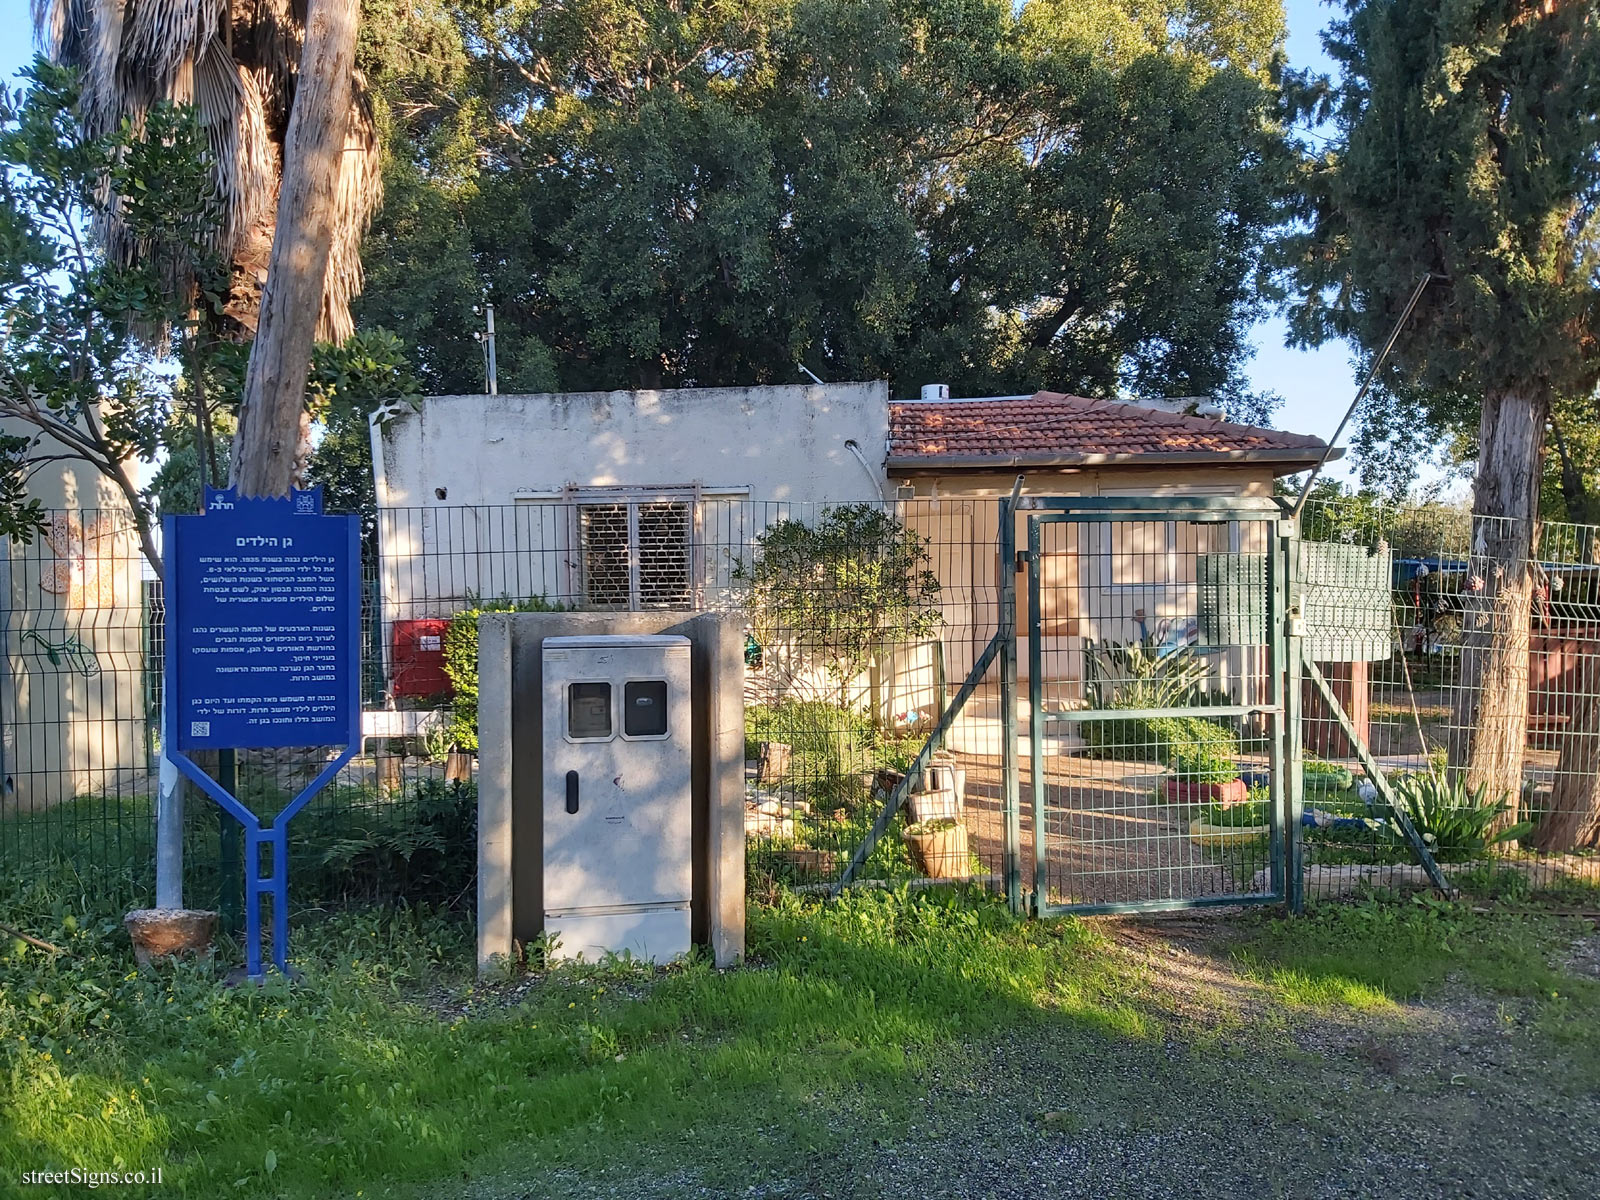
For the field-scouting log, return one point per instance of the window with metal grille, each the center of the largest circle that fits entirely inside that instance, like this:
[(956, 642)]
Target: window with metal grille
[(663, 554), (636, 553), (603, 529)]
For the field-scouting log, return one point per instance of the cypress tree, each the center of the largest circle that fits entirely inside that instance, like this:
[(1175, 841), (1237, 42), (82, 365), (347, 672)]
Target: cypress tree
[(1465, 147)]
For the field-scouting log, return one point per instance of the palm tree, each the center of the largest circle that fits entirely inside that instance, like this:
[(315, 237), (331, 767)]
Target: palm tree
[(236, 64)]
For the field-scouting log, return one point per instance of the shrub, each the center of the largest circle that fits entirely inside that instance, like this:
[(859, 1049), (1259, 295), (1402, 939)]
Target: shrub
[(1139, 675), (422, 847), (461, 662), (1156, 739), (1139, 739), (1205, 762), (842, 589), (1323, 778), (1235, 816)]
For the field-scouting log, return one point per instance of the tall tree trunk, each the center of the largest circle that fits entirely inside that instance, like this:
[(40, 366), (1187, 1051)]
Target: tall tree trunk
[(267, 445), (1491, 710)]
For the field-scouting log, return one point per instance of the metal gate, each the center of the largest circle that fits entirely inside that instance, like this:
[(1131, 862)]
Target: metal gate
[(1162, 644), (1161, 676)]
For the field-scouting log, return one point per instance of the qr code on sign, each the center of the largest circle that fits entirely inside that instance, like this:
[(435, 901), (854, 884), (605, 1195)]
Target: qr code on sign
[(199, 728)]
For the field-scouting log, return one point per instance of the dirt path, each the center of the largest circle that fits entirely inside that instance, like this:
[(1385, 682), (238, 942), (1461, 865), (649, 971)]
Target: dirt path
[(1111, 836)]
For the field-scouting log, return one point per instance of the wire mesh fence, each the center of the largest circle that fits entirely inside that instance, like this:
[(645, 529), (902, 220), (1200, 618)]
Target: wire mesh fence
[(857, 617), (1437, 653), (76, 698), (862, 621), (1152, 752)]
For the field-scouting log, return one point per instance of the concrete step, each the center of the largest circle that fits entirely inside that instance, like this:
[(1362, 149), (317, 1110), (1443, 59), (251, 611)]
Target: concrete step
[(980, 730)]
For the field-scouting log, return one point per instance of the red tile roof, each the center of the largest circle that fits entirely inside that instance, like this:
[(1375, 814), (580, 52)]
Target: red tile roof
[(1050, 429)]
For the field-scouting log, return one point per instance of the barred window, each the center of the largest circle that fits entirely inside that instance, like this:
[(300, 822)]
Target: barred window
[(636, 553), (603, 533), (663, 553)]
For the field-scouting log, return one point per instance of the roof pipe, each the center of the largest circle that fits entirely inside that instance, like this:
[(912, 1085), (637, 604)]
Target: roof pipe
[(854, 447)]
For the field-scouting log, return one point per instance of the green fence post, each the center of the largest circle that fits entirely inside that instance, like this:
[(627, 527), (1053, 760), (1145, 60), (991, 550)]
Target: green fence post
[(1011, 801), (1293, 758), (1036, 725), (1276, 629)]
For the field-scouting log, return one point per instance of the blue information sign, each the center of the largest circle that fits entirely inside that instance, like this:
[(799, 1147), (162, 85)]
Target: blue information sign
[(264, 613), (263, 649)]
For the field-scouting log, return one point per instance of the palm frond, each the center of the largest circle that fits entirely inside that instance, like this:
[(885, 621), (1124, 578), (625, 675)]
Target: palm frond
[(133, 56)]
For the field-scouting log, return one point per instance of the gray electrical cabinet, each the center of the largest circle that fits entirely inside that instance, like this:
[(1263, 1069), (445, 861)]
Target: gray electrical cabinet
[(618, 866)]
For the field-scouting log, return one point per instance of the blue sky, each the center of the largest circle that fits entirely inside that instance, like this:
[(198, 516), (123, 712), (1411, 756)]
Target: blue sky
[(1316, 384)]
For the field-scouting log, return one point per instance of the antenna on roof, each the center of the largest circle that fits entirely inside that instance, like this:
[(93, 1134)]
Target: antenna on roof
[(1377, 364), (485, 337)]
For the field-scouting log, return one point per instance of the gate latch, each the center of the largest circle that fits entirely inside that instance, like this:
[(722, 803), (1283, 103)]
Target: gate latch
[(1297, 623), (1022, 561)]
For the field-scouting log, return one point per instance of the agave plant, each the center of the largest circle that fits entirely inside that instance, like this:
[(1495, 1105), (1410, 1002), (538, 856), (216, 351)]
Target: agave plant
[(1142, 674), (1457, 822)]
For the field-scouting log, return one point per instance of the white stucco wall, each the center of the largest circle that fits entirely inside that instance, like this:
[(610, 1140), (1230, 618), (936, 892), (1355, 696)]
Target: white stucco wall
[(784, 443)]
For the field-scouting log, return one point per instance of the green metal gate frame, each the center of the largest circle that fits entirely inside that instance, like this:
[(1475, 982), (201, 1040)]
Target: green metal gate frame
[(1289, 667), (1281, 709)]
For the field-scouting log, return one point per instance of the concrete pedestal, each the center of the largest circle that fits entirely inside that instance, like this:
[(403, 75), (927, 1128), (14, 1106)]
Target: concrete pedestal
[(510, 772)]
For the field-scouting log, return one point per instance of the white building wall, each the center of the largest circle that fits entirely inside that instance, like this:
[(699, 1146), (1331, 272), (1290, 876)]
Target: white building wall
[(784, 443), (476, 493), (74, 727)]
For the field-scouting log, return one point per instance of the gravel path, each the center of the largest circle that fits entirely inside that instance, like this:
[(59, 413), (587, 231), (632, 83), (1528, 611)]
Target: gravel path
[(1227, 1094)]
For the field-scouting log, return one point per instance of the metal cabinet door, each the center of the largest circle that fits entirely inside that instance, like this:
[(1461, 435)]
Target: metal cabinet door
[(617, 812)]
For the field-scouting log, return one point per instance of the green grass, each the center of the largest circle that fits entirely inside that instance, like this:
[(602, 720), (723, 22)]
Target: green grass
[(388, 1071), (1392, 950), (367, 1072)]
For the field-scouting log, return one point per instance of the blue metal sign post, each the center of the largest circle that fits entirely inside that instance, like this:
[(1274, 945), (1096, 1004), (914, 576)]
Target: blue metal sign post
[(263, 650)]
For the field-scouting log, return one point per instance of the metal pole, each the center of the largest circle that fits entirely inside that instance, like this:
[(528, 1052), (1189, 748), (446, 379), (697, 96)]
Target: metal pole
[(494, 367), (1036, 725), (169, 815), (6, 723), (1011, 796), (229, 868), (1292, 639)]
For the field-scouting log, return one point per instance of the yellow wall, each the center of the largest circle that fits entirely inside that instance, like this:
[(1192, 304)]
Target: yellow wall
[(1072, 608), (78, 726)]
